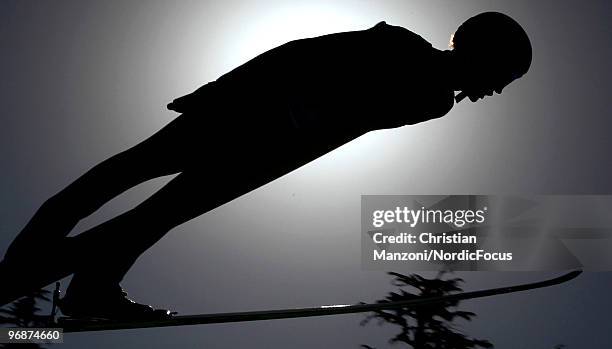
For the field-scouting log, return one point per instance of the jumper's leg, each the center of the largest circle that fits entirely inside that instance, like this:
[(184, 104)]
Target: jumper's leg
[(107, 251), (110, 249), (164, 153)]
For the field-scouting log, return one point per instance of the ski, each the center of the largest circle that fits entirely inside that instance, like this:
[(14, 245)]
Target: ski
[(84, 325)]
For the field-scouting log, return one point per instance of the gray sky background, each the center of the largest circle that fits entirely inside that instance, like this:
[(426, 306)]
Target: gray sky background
[(83, 80)]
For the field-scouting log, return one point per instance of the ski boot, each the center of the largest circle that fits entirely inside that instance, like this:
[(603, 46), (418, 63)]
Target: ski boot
[(108, 303)]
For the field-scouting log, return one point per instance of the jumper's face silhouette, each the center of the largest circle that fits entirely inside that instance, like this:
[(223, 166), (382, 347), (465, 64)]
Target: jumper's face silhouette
[(485, 85), (484, 81)]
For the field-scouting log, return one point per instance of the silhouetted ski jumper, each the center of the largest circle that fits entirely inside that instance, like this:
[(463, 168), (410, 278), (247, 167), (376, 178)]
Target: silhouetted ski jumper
[(269, 116)]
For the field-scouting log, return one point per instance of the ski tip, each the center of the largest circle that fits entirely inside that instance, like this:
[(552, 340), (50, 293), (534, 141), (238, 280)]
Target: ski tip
[(571, 275)]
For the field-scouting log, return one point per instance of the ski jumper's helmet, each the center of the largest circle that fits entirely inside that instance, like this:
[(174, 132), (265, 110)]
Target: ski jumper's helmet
[(495, 41)]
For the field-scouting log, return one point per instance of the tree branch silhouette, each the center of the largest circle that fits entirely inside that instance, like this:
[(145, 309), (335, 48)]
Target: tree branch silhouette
[(427, 327)]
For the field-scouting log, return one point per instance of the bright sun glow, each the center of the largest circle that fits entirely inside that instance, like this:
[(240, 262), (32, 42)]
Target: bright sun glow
[(274, 26)]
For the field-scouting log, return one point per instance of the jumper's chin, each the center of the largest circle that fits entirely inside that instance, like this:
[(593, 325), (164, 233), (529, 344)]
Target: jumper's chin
[(474, 98)]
